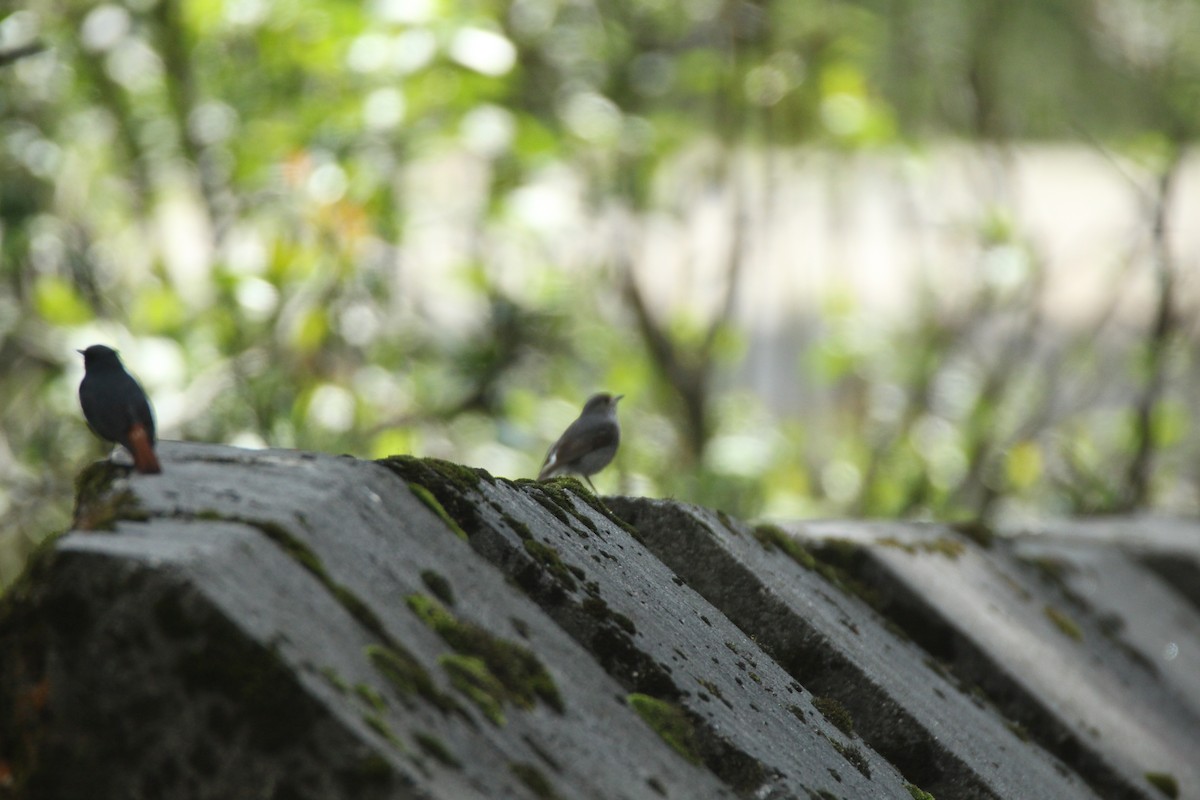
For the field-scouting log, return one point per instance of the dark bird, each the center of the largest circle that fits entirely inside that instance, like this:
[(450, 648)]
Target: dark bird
[(588, 443), (116, 408)]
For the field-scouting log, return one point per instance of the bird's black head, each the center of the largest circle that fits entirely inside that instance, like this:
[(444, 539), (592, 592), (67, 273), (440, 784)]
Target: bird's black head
[(100, 356), (600, 403)]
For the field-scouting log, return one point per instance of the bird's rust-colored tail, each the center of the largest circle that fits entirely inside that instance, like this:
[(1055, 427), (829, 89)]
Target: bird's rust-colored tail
[(144, 459)]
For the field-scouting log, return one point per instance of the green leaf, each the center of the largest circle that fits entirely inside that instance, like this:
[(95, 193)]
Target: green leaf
[(58, 303), (310, 331), (1023, 465), (157, 309)]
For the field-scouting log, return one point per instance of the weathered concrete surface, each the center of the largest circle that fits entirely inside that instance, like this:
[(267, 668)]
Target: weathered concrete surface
[(282, 625), (754, 726), (223, 648), (829, 639), (1046, 662), (1132, 576), (1170, 546)]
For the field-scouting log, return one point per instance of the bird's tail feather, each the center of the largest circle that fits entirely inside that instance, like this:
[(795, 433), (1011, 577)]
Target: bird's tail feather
[(144, 459)]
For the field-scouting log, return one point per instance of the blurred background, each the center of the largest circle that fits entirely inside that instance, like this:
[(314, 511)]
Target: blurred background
[(906, 258)]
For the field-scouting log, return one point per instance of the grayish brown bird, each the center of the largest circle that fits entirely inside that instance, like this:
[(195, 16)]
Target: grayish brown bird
[(589, 443)]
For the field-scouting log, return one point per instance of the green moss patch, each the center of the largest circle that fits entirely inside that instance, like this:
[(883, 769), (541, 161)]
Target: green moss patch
[(978, 532), (519, 528), (426, 497), (557, 486), (837, 562), (1164, 782), (832, 561), (534, 781), (450, 490), (855, 758), (522, 678), (98, 507), (546, 501), (1054, 570), (713, 690), (555, 491), (836, 713), (406, 675), (371, 696), (335, 680), (596, 607), (438, 584), (295, 549), (359, 610), (462, 478), (943, 545), (472, 678), (547, 556), (377, 724), (558, 496), (433, 747), (673, 725), (1064, 623), (917, 792), (772, 538), (303, 555), (1018, 730)]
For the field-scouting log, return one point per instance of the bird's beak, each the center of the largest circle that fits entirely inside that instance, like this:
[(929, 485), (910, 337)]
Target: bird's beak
[(617, 398), (79, 351)]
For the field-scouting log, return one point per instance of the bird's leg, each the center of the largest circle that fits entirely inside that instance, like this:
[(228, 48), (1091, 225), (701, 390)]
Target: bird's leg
[(589, 481)]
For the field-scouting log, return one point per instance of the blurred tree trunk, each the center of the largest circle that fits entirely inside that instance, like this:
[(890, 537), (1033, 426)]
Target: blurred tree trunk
[(1159, 338), (686, 368)]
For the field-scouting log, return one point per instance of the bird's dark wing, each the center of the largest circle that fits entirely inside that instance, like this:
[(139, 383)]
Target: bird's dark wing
[(582, 437), (142, 413), (112, 402)]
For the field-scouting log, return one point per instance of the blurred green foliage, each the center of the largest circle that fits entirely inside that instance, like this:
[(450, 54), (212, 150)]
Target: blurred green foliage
[(340, 226)]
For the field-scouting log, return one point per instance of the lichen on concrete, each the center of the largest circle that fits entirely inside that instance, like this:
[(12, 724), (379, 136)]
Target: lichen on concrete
[(558, 495), (472, 678), (1064, 623), (670, 722), (830, 562), (378, 724), (431, 502), (854, 757), (554, 493), (918, 793), (451, 487), (335, 680), (436, 749), (520, 673), (1165, 783), (534, 780), (772, 537), (944, 545), (99, 505), (975, 530), (519, 528), (464, 478), (836, 713), (439, 585), (370, 696), (548, 557), (303, 555), (837, 562), (596, 607), (407, 676)]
